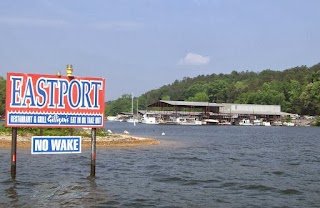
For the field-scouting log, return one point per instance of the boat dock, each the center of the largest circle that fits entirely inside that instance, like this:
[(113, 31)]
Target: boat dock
[(204, 113)]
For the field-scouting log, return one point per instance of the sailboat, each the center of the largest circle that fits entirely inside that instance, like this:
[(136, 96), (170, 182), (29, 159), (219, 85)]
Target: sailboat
[(132, 119)]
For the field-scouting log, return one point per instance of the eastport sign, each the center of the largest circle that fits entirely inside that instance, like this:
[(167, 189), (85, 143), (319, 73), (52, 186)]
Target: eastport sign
[(54, 101), (36, 100)]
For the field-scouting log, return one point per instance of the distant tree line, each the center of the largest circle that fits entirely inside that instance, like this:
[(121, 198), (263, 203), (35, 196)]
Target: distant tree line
[(2, 96), (297, 90)]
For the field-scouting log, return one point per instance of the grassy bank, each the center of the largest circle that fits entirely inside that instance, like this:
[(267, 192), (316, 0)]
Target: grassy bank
[(53, 132)]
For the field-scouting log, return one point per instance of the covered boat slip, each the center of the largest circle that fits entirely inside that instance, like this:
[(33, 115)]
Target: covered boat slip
[(221, 113), (185, 105), (182, 112)]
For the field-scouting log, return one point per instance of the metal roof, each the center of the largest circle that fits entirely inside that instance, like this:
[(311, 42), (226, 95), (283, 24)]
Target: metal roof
[(144, 112), (210, 113), (166, 103)]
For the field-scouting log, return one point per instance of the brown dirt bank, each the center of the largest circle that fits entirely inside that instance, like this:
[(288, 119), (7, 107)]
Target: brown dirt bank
[(114, 140)]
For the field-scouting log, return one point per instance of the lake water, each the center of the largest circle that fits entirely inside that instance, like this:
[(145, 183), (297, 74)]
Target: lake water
[(194, 166)]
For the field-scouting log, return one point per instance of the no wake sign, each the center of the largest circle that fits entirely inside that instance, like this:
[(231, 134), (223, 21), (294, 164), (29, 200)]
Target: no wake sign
[(55, 144)]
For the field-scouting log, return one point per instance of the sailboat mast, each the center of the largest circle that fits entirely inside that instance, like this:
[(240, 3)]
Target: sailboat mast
[(137, 107), (132, 104), (134, 121)]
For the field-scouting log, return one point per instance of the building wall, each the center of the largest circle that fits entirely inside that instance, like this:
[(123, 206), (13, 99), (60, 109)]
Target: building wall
[(250, 108)]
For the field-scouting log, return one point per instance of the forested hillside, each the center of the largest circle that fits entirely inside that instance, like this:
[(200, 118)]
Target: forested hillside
[(297, 90)]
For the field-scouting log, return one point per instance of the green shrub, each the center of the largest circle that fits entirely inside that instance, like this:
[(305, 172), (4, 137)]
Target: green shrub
[(54, 131)]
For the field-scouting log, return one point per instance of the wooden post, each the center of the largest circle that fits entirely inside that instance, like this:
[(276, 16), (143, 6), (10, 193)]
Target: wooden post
[(14, 153), (93, 152)]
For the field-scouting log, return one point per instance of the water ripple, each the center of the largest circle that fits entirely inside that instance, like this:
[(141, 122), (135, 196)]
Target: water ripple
[(258, 187), (206, 166), (290, 192)]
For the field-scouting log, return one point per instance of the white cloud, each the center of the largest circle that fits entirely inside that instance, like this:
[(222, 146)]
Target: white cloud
[(194, 59)]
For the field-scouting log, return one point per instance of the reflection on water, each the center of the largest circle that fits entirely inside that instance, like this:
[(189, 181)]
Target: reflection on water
[(11, 193), (206, 166)]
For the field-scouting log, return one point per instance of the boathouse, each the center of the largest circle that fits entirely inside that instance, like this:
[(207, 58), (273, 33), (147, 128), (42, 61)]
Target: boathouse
[(219, 111), (251, 111), (204, 107), (175, 109)]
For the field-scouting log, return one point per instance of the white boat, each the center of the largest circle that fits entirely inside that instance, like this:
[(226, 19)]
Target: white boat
[(111, 118), (257, 122), (149, 119), (277, 123), (211, 121), (288, 124), (188, 121), (225, 123), (132, 120), (266, 123), (260, 122), (245, 122)]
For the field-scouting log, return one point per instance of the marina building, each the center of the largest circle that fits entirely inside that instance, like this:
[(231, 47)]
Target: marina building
[(216, 113), (201, 113)]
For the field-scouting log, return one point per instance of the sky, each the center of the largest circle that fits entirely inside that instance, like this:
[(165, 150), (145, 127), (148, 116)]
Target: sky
[(141, 45)]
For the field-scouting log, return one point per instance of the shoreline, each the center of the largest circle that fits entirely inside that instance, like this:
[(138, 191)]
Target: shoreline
[(113, 140)]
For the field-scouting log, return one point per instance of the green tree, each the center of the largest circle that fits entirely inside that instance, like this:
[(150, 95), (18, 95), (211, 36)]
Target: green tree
[(122, 104), (265, 96), (218, 91), (293, 90), (310, 98), (194, 89), (234, 90), (199, 97), (165, 97), (2, 95)]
